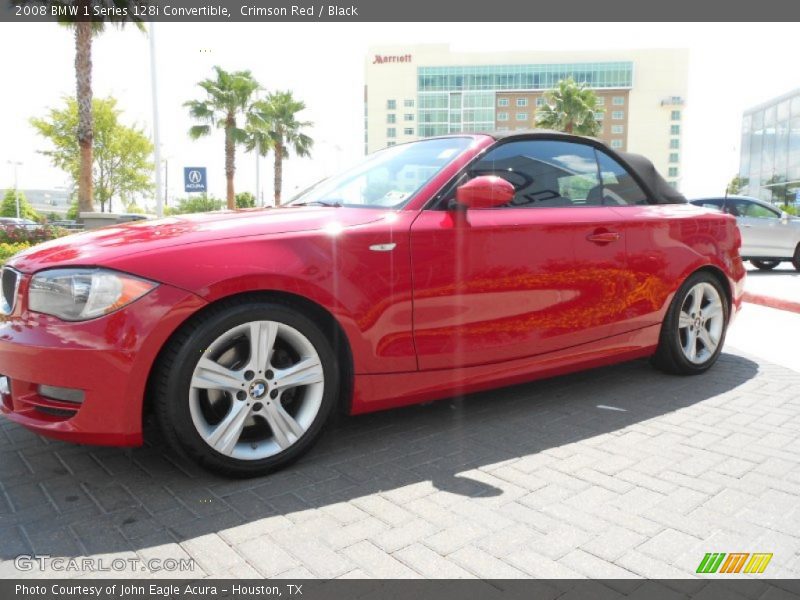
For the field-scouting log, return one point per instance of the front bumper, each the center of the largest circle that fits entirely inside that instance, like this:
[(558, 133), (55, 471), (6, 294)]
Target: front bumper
[(109, 359)]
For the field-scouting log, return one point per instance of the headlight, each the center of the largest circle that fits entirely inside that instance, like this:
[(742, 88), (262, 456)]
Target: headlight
[(81, 294)]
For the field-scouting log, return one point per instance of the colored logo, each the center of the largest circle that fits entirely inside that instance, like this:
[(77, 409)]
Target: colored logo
[(736, 562), (379, 59)]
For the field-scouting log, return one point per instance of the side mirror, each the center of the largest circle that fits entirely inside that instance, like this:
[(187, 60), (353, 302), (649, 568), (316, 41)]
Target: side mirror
[(486, 191), (784, 216)]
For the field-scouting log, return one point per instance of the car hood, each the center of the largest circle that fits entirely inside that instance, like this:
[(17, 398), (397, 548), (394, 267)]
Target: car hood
[(95, 247)]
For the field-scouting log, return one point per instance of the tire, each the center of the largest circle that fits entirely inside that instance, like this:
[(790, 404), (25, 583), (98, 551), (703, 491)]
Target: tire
[(683, 323), (765, 265), (243, 408), (796, 258)]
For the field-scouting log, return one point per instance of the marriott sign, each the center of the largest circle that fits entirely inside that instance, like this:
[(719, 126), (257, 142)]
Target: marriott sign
[(379, 59)]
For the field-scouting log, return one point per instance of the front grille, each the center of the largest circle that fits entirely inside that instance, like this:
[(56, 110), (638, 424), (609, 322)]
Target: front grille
[(9, 281)]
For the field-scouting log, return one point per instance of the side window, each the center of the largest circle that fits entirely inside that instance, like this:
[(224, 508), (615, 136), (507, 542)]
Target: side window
[(737, 208), (760, 212), (619, 188), (544, 173), (715, 204)]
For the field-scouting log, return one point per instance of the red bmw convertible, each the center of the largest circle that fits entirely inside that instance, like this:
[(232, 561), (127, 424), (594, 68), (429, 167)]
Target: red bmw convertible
[(439, 267)]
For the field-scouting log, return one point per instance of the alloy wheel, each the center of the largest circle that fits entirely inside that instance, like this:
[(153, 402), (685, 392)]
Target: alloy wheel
[(256, 390), (701, 323)]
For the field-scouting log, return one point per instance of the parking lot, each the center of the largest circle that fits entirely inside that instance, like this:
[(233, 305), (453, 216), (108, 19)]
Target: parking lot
[(617, 472)]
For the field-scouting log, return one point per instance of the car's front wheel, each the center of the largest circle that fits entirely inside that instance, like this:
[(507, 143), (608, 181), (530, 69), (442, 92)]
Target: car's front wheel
[(247, 387), (694, 328), (796, 258), (765, 265)]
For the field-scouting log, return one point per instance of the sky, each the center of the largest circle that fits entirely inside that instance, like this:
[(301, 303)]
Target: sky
[(731, 67)]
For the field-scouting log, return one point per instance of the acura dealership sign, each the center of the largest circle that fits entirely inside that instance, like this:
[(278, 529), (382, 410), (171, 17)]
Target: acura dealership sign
[(194, 179)]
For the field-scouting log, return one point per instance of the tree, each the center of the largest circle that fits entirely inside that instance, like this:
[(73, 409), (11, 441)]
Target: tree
[(228, 97), (571, 108), (121, 154), (736, 185), (245, 200), (85, 30), (9, 206), (273, 125)]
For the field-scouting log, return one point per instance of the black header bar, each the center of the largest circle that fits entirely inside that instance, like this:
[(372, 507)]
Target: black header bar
[(266, 11)]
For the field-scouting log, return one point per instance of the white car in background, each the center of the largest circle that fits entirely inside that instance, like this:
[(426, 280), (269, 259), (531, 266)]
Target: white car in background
[(769, 236)]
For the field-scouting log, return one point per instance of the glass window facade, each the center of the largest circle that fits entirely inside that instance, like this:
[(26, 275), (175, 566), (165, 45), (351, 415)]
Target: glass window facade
[(770, 149), (618, 115), (391, 104), (523, 77)]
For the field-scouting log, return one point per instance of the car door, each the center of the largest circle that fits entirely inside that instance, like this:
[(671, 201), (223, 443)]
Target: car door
[(654, 251), (763, 232), (535, 276)]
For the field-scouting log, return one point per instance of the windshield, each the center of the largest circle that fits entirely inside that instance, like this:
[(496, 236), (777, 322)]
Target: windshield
[(387, 178)]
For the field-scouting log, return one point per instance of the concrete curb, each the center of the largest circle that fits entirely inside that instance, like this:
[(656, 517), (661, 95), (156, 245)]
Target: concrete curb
[(771, 302)]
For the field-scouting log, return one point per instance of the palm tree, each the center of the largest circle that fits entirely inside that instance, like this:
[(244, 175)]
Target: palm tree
[(228, 97), (85, 30), (274, 126), (571, 108)]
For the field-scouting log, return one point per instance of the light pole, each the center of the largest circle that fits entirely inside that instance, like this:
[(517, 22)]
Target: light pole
[(15, 164), (156, 140)]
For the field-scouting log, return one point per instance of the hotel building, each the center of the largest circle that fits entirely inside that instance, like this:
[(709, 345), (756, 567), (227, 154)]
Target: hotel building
[(426, 90)]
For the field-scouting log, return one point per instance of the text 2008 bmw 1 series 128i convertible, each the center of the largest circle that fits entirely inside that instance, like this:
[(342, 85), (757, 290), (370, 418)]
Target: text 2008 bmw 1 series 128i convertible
[(447, 265)]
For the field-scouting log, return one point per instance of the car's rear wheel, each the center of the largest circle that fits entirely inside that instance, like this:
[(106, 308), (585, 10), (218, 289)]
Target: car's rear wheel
[(765, 265), (694, 328), (246, 388), (796, 258)]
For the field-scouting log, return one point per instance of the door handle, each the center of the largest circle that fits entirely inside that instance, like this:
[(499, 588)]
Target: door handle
[(603, 237)]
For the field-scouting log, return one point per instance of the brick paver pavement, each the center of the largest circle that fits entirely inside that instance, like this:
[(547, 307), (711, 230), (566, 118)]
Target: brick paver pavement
[(618, 472)]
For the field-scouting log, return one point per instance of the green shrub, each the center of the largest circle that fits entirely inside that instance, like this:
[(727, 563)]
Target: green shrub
[(245, 200), (195, 204), (21, 235), (9, 250), (790, 208)]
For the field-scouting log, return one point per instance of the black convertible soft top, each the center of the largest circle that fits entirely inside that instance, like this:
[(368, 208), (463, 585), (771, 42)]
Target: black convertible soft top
[(656, 187)]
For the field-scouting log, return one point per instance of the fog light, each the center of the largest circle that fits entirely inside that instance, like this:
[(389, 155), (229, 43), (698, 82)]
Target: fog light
[(5, 386), (60, 393)]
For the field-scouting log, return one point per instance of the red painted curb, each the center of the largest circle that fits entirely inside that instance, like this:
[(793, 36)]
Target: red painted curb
[(772, 302)]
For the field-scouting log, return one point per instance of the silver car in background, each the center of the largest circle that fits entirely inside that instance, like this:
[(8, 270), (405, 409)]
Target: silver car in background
[(769, 235)]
